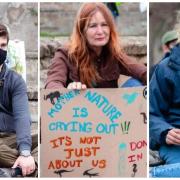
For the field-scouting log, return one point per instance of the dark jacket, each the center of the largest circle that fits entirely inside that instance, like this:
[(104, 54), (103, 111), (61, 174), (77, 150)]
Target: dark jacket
[(164, 98), (14, 110), (61, 71), (153, 68)]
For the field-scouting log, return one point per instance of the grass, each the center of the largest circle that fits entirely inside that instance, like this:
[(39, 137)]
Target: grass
[(52, 34)]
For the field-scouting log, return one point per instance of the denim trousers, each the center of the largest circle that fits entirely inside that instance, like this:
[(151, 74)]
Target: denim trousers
[(168, 170), (171, 156), (132, 82)]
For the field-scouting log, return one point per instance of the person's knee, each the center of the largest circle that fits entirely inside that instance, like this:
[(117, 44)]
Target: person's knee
[(132, 82), (7, 156), (170, 154)]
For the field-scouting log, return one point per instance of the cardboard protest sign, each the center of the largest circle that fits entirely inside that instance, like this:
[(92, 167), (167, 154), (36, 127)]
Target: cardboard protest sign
[(16, 57), (93, 133)]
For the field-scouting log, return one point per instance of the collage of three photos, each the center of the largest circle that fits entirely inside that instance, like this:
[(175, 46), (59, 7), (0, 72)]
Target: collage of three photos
[(90, 89)]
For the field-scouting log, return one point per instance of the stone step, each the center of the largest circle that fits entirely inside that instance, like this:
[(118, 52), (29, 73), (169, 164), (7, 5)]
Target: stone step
[(133, 45), (33, 107), (33, 55), (43, 78), (32, 93), (34, 128), (131, 21), (32, 68), (177, 25), (32, 72)]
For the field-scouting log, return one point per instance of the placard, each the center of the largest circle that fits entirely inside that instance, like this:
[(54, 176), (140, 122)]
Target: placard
[(94, 133), (16, 57)]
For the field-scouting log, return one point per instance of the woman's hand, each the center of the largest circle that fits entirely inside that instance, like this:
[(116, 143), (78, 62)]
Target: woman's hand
[(76, 85)]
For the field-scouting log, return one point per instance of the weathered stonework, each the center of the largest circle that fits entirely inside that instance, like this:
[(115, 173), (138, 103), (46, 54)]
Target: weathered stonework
[(22, 21), (134, 46), (59, 18), (177, 25)]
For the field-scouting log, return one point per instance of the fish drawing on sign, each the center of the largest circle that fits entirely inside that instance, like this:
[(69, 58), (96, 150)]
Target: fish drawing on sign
[(52, 96), (61, 171), (87, 173)]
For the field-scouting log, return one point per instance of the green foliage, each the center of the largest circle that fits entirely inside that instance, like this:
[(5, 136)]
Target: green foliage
[(52, 34), (33, 11), (118, 3)]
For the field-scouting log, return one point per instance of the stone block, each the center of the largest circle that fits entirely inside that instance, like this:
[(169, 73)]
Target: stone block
[(33, 107), (32, 93), (54, 18), (22, 20)]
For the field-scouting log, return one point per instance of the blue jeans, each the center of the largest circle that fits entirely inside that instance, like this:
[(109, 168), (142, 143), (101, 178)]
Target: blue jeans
[(169, 170), (170, 154), (132, 83)]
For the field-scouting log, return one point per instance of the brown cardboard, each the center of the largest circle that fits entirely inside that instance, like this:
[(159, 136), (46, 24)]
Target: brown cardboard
[(108, 138)]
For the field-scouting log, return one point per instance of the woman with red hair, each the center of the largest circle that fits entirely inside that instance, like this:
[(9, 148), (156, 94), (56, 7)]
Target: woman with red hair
[(93, 58)]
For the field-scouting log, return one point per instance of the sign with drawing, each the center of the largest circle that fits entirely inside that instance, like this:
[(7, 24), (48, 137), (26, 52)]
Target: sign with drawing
[(93, 133)]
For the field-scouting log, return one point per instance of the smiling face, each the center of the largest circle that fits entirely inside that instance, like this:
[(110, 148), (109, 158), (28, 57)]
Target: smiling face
[(97, 32)]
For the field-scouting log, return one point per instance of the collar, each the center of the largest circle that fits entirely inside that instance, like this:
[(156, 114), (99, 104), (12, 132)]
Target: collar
[(175, 58)]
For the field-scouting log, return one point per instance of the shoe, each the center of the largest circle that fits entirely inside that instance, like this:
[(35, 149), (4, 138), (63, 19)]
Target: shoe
[(16, 172)]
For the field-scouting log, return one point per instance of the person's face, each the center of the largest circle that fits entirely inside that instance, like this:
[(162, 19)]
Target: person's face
[(172, 44), (3, 43), (98, 31), (169, 47)]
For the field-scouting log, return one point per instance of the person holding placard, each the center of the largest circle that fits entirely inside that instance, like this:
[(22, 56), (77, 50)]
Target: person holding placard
[(14, 116)]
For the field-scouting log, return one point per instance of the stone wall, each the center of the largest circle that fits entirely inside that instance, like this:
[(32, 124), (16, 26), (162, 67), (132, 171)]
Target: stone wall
[(159, 23), (22, 20), (58, 18), (177, 24), (134, 46)]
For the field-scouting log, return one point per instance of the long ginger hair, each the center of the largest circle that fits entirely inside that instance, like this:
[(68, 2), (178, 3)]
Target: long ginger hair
[(79, 51)]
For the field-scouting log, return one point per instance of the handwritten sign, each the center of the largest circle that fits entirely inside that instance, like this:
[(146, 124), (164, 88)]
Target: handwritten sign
[(93, 133)]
